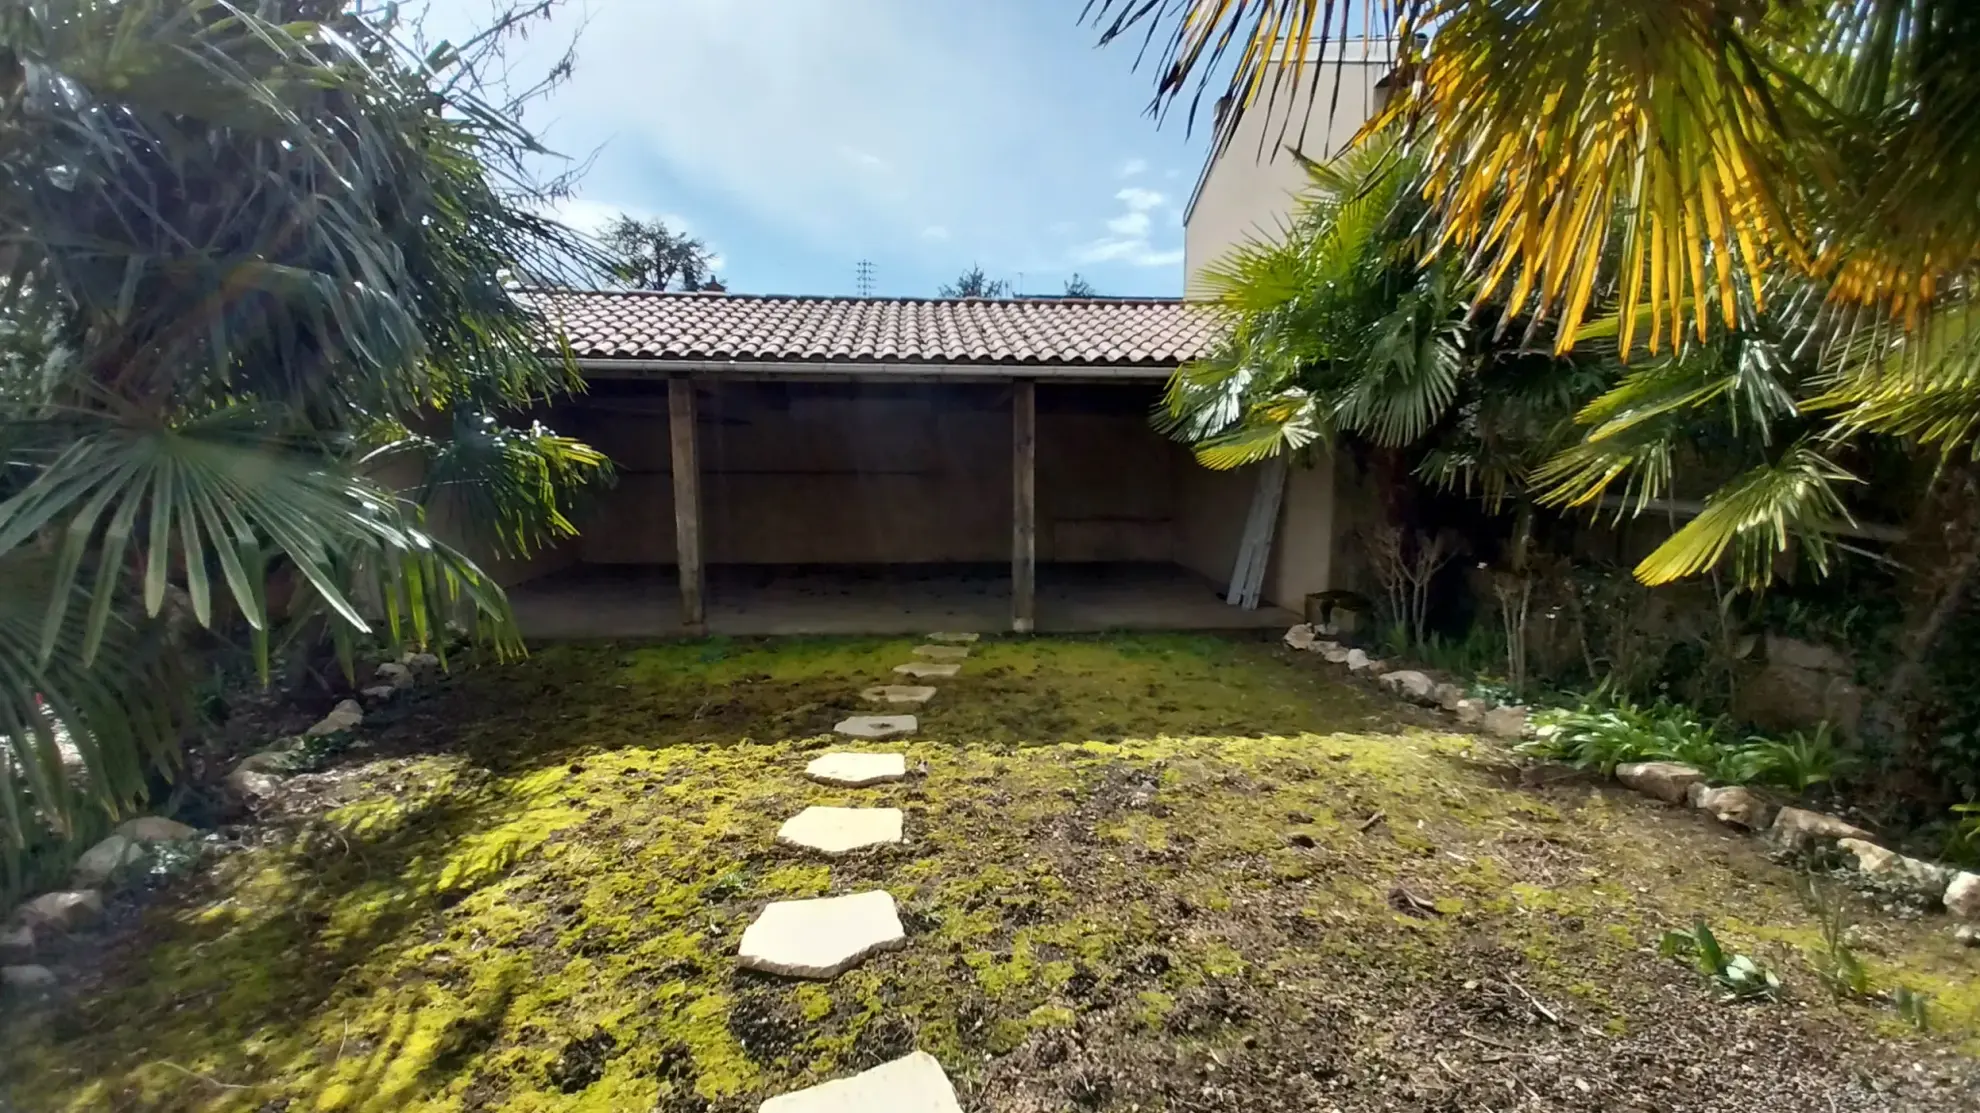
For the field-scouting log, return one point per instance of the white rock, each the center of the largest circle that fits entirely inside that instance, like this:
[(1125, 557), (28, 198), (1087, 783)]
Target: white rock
[(17, 944), (344, 716), (379, 693), (63, 911), (27, 979), (1796, 828), (1505, 722), (1470, 712), (954, 638), (854, 770), (898, 693), (928, 669), (106, 859), (1447, 696), (821, 938), (250, 786), (1356, 660), (836, 831), (1668, 781), (393, 674), (1338, 656), (1962, 897), (1409, 682), (421, 662), (267, 761), (1967, 935), (941, 652), (1300, 637), (877, 726), (914, 1084), (155, 828), (1911, 874), (1734, 805)]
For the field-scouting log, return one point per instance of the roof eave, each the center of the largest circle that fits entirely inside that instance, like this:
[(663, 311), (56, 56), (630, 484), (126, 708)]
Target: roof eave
[(901, 370)]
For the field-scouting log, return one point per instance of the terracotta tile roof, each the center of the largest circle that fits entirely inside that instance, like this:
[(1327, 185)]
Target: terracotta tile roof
[(1098, 332)]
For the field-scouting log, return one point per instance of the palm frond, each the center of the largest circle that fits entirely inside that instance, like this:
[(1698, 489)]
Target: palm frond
[(1756, 516), (509, 488), (73, 732), (1671, 152)]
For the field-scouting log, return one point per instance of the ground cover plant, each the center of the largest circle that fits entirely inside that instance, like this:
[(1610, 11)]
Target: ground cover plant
[(1143, 872)]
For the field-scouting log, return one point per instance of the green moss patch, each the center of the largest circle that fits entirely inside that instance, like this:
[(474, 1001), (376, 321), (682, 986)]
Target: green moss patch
[(1139, 871)]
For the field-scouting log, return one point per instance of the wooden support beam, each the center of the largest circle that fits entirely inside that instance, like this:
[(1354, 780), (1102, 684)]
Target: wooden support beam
[(1024, 506), (687, 503)]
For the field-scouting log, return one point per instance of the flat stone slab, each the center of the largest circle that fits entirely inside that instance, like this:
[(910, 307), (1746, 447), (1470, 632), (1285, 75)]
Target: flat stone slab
[(941, 652), (822, 938), (914, 1084), (854, 770), (954, 639), (877, 726), (837, 831), (898, 693), (928, 668)]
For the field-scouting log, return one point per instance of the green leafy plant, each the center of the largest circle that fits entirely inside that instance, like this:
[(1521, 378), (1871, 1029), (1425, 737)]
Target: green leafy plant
[(1600, 738), (1962, 844), (1799, 762), (1738, 976), (1841, 970), (1913, 1006)]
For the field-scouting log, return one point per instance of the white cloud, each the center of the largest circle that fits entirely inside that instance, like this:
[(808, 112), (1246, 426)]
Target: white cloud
[(1128, 240), (935, 232), (841, 129), (1133, 224)]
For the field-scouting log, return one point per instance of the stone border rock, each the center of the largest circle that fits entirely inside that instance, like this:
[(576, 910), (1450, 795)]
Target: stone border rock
[(1506, 721), (1786, 828), (1797, 829)]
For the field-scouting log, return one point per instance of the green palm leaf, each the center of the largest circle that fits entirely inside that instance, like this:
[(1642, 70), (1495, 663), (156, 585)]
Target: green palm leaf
[(1756, 516)]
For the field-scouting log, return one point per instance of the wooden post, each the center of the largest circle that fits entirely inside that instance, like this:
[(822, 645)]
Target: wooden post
[(687, 503), (1024, 506)]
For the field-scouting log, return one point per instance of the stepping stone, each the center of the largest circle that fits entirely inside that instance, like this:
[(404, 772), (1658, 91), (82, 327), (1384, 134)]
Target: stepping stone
[(821, 938), (928, 669), (941, 652), (914, 1084), (954, 639), (899, 693), (877, 726), (836, 831), (855, 770)]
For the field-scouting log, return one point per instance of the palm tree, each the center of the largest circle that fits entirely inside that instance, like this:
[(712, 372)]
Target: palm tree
[(252, 253), (1664, 154), (1798, 174)]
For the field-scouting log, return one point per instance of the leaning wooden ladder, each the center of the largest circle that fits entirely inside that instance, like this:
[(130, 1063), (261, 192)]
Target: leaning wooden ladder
[(1255, 548)]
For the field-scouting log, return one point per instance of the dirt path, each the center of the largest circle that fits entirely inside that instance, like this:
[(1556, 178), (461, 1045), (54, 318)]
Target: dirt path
[(1143, 873)]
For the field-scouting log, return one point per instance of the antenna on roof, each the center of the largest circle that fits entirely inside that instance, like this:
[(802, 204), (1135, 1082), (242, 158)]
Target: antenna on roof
[(863, 278)]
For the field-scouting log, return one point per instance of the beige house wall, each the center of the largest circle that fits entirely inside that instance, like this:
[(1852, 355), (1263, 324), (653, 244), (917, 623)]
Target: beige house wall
[(1212, 509), (871, 475), (1248, 190)]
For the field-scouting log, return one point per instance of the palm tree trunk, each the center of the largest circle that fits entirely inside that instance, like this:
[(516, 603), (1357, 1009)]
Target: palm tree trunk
[(1942, 555)]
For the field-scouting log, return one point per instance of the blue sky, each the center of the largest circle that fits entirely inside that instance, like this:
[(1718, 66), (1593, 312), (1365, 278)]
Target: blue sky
[(797, 137)]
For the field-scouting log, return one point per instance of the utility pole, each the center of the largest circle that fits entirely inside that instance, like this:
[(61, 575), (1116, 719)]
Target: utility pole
[(863, 278)]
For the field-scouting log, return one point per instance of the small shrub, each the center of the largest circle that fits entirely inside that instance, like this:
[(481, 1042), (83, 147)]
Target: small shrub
[(1799, 762), (1739, 977), (1601, 738)]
